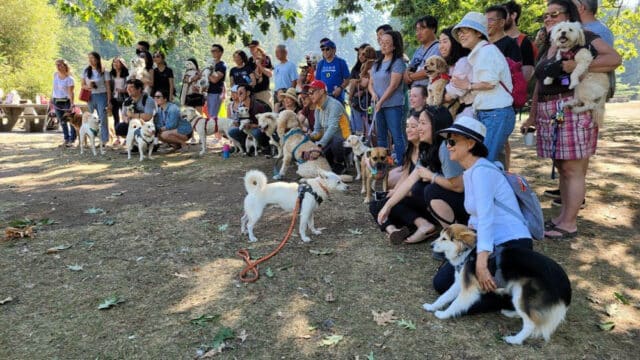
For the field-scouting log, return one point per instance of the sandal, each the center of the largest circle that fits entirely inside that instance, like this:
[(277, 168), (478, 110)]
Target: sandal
[(564, 234), (425, 236), (549, 225), (398, 236)]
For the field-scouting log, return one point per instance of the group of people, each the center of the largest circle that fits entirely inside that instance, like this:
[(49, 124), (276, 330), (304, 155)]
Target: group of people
[(446, 159)]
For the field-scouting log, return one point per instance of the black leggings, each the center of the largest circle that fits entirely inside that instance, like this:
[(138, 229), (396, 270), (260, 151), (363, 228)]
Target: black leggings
[(490, 302), (406, 211), (454, 199)]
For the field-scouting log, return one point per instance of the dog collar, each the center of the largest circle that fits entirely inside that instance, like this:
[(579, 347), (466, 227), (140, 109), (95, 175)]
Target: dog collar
[(291, 132), (94, 131), (377, 175), (442, 76)]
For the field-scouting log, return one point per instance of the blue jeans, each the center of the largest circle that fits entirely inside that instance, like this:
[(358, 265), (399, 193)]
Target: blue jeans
[(240, 136), (68, 134), (99, 102), (213, 104), (358, 121), (390, 119), (500, 124)]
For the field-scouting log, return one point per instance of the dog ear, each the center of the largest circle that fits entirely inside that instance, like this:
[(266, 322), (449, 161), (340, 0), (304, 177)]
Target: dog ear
[(368, 153), (468, 237)]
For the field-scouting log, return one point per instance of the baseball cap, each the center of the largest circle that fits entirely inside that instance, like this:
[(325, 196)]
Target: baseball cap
[(254, 43), (315, 84), (329, 44)]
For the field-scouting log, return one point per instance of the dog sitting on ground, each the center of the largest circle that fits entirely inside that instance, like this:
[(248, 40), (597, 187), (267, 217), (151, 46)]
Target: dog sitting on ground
[(358, 150), (90, 129), (268, 123), (144, 135), (298, 147), (437, 71), (590, 92), (283, 194), (203, 126), (374, 166), (539, 288)]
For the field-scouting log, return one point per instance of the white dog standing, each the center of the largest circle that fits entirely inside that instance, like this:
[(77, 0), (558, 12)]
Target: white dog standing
[(144, 136), (203, 127), (90, 129), (358, 150), (284, 194)]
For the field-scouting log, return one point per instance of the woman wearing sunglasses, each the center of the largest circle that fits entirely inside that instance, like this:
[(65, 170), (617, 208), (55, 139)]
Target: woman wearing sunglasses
[(431, 196), (485, 187), (568, 138)]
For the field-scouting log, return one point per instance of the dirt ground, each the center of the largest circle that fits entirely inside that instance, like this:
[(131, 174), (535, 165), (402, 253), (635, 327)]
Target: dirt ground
[(162, 235)]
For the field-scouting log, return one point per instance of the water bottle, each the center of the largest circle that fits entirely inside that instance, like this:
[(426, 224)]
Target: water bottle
[(225, 151)]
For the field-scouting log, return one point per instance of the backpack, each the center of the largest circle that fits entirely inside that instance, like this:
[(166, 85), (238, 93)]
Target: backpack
[(519, 92), (531, 211), (521, 38)]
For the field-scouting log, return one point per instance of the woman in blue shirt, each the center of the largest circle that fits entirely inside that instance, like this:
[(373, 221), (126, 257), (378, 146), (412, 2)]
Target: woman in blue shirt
[(173, 129), (496, 228)]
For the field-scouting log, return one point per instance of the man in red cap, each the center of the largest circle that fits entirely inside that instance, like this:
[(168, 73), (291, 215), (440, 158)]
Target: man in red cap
[(331, 124)]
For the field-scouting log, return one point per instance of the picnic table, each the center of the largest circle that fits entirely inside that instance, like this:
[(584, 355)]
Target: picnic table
[(32, 123)]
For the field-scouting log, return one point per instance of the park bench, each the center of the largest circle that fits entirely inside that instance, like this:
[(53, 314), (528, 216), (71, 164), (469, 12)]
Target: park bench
[(12, 113)]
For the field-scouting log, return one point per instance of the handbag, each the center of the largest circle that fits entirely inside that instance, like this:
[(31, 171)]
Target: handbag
[(85, 95)]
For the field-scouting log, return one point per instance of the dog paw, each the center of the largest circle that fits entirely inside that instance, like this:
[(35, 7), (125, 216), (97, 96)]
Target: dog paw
[(512, 340), (367, 200), (442, 315), (151, 158), (429, 307), (548, 81), (305, 239)]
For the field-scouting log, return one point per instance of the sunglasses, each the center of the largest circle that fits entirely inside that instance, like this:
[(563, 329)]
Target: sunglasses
[(552, 15), (325, 49), (451, 142)]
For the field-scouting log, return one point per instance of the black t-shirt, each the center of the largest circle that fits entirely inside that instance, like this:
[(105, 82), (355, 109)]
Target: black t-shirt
[(552, 68), (216, 88), (240, 75), (526, 50), (509, 48), (263, 84), (161, 79)]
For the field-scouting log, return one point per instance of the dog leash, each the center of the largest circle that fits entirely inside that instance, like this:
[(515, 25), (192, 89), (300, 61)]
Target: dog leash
[(558, 119), (252, 266)]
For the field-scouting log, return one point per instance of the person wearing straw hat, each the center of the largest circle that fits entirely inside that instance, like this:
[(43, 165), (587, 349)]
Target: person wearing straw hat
[(490, 82), (485, 187), (290, 100)]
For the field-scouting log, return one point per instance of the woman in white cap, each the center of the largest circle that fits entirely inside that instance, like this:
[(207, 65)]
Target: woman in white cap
[(490, 82), (485, 186)]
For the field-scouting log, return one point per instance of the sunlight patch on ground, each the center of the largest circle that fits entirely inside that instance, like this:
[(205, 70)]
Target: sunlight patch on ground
[(55, 176), (178, 163), (295, 323), (193, 214)]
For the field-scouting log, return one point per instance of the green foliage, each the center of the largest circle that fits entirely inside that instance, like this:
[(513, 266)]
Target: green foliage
[(28, 47), (168, 20)]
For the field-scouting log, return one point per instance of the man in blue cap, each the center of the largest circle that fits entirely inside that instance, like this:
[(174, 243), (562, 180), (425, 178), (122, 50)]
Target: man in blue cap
[(333, 71)]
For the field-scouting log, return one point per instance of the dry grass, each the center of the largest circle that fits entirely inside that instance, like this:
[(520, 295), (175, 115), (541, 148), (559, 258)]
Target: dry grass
[(168, 257)]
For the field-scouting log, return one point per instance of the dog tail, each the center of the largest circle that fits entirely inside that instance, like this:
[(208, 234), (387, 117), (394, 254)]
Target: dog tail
[(254, 181)]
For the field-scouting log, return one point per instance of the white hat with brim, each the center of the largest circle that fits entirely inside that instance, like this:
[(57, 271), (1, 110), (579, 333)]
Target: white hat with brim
[(472, 20), (467, 127)]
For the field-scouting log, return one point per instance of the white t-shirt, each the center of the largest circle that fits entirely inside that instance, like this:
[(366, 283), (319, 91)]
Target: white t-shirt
[(61, 86), (489, 65), (99, 80)]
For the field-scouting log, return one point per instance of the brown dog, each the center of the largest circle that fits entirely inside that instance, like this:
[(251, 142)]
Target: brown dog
[(438, 72), (374, 166), (74, 117)]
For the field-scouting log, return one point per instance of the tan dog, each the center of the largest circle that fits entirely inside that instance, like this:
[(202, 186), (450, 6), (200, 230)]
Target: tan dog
[(268, 123), (297, 146), (438, 73), (374, 166), (591, 91), (73, 117)]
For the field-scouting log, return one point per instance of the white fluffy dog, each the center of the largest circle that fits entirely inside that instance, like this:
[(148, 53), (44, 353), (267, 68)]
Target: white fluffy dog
[(206, 72), (268, 123), (139, 72), (283, 194), (358, 150), (591, 92), (190, 81), (90, 129), (203, 127), (144, 135)]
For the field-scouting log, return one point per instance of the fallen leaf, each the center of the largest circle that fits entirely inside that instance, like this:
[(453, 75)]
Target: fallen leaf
[(110, 302), (407, 324), (74, 267), (58, 248), (329, 297), (331, 340), (203, 319), (623, 299), (607, 326), (94, 211), (222, 335), (383, 318), (593, 300), (6, 300), (46, 221), (269, 272), (108, 222), (370, 356), (181, 275), (242, 336), (223, 227), (117, 193), (321, 251), (355, 231), (17, 233)]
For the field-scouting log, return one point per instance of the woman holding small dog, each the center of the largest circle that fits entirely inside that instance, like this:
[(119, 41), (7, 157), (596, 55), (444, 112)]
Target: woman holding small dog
[(485, 187), (434, 186), (568, 138), (456, 57), (62, 99), (97, 80)]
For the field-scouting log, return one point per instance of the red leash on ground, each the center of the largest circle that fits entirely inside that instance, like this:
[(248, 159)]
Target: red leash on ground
[(252, 266)]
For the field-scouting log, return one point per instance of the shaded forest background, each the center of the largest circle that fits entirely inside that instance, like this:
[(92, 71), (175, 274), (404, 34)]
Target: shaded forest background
[(33, 33)]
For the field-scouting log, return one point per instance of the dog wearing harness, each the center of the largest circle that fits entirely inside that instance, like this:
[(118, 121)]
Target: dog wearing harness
[(208, 126), (145, 138), (284, 194), (374, 166), (90, 129)]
